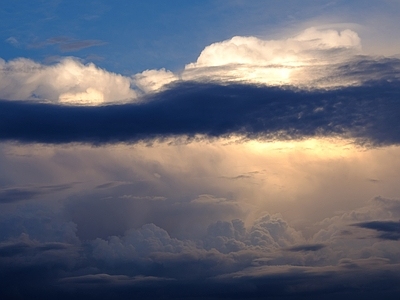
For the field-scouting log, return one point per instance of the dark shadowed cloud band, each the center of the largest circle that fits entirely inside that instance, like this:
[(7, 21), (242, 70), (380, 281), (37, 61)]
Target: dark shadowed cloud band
[(368, 113), (388, 230)]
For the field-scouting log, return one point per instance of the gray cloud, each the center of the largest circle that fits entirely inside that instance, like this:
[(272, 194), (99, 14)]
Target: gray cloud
[(15, 194), (67, 44), (310, 247), (231, 261), (366, 113), (388, 230)]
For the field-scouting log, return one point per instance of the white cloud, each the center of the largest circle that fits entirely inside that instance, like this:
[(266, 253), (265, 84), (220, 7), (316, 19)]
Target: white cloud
[(153, 80), (12, 41), (90, 96), (314, 58), (275, 62), (68, 81)]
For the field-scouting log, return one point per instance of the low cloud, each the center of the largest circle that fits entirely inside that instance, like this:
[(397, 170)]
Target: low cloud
[(15, 194), (388, 230), (266, 258), (365, 113), (310, 247), (184, 199)]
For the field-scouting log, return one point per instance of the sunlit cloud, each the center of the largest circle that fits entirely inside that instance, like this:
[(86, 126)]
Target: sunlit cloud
[(276, 62), (68, 81), (263, 168), (314, 58)]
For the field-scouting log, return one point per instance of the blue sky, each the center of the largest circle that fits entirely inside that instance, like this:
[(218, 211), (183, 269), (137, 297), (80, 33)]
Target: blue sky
[(131, 36), (199, 149)]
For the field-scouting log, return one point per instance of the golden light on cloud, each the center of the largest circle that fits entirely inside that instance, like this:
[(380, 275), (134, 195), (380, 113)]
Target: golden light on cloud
[(90, 97), (289, 61), (307, 60), (322, 147)]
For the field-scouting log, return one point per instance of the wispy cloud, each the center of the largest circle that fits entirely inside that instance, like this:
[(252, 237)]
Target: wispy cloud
[(15, 194), (388, 230), (67, 44)]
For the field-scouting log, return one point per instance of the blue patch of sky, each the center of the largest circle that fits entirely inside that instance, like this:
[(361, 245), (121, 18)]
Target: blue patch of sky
[(131, 36)]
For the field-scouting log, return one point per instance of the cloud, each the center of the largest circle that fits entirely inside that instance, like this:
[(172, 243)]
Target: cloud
[(9, 195), (312, 59), (266, 258), (306, 60), (12, 41), (153, 80), (205, 207), (387, 229), (365, 113), (67, 44), (68, 81), (310, 247)]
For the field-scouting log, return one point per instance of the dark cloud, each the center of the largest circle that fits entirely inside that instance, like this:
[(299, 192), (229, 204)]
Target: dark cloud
[(388, 230), (19, 248), (9, 195), (368, 113), (13, 249), (149, 264), (134, 240), (313, 247)]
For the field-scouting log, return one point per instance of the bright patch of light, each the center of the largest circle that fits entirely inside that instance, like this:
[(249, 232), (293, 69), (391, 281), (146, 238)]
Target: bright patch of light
[(90, 97), (322, 147), (303, 60)]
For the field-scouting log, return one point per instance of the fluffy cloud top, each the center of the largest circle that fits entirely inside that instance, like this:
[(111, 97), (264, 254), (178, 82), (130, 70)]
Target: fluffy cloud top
[(312, 59), (307, 47), (68, 81), (287, 61)]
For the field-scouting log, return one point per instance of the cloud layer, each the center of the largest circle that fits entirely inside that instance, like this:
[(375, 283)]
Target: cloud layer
[(268, 258), (68, 81), (254, 173), (312, 59), (365, 113)]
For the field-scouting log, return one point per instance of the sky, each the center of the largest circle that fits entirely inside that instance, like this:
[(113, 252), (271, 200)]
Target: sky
[(199, 149)]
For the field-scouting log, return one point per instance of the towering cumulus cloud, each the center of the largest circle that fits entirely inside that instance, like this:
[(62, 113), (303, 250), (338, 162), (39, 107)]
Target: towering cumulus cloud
[(266, 169)]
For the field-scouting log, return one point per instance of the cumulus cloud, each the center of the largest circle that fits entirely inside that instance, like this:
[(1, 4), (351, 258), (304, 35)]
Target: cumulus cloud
[(306, 60), (153, 80), (169, 219), (228, 256), (268, 251), (312, 59), (68, 81)]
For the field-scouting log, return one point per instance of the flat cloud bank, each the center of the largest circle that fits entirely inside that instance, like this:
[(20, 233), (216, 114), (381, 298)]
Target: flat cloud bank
[(367, 113)]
